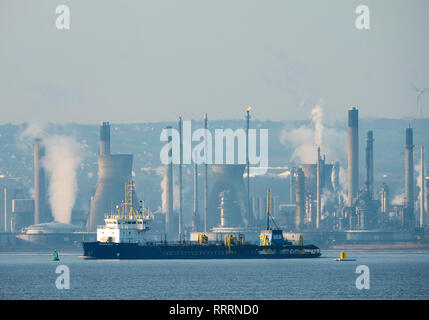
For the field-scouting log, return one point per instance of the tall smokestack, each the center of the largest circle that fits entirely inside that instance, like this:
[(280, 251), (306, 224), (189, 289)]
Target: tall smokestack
[(384, 198), (427, 200), (104, 142), (319, 186), (195, 218), (205, 174), (300, 198), (409, 180), (5, 211), (292, 192), (353, 155), (180, 176), (248, 165), (369, 155), (422, 189), (169, 222), (39, 184)]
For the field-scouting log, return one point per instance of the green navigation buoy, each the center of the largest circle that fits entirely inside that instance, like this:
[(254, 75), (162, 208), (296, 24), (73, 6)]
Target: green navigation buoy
[(55, 256)]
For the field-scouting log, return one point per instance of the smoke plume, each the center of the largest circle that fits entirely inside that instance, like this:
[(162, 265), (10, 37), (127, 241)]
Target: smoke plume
[(398, 199), (63, 156), (33, 131), (162, 172), (306, 138), (418, 170)]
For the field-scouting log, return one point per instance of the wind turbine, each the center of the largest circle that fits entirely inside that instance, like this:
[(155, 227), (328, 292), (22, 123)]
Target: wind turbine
[(419, 97)]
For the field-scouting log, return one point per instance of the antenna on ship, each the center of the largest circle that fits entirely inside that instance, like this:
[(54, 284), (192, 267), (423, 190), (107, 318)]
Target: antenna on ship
[(268, 208), (269, 211)]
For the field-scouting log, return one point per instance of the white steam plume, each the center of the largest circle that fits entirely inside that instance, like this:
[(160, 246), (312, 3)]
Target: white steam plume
[(161, 171), (306, 138), (398, 199), (33, 131), (418, 170), (164, 194), (63, 156)]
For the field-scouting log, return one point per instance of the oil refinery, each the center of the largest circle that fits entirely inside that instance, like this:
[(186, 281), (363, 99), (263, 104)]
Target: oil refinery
[(323, 202)]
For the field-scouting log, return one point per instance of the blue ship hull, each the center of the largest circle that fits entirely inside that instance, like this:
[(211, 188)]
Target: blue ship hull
[(109, 250)]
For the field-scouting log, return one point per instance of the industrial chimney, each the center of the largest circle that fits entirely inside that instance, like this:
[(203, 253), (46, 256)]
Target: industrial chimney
[(353, 155), (422, 187), (195, 215), (205, 193), (104, 143), (249, 215), (320, 182), (300, 198), (409, 180), (169, 219), (427, 200), (384, 198), (369, 155), (292, 193), (180, 177)]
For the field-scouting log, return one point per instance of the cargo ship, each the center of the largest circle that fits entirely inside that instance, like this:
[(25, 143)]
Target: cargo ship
[(123, 237)]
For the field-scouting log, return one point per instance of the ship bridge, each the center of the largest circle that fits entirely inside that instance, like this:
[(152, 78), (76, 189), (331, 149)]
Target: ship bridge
[(127, 225)]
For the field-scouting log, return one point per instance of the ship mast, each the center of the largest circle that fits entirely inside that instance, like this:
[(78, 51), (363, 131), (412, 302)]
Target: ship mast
[(127, 206), (268, 209)]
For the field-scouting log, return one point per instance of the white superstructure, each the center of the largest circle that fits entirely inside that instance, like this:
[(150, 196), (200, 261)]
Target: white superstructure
[(128, 225), (122, 229)]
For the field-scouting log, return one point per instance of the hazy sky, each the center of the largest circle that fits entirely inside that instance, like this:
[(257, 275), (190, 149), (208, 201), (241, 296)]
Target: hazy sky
[(134, 61)]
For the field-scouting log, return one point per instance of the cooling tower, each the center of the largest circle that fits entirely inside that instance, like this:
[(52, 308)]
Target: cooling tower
[(310, 173), (409, 180), (228, 178), (39, 184), (113, 172), (227, 217), (353, 155)]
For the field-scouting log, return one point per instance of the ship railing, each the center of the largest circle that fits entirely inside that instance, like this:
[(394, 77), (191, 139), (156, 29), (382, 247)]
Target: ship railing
[(124, 226)]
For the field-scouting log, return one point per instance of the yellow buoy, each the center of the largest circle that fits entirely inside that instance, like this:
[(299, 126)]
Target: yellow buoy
[(343, 257)]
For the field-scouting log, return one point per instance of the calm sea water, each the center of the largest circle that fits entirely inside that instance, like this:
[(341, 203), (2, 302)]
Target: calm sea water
[(396, 274)]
